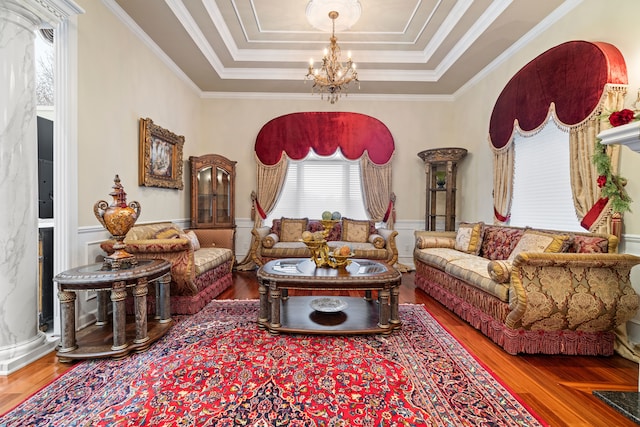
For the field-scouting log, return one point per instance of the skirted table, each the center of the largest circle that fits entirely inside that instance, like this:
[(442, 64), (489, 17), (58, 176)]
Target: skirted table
[(119, 339)]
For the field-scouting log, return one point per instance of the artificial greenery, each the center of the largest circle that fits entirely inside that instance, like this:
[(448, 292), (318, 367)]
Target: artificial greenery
[(612, 186)]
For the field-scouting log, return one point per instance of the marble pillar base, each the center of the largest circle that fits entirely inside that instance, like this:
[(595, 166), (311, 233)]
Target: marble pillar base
[(625, 402), (15, 357)]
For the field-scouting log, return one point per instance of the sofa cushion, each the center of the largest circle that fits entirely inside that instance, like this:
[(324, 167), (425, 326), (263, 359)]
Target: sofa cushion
[(474, 271), (355, 231), (537, 241), (499, 271), (469, 237), (498, 241), (291, 229), (440, 257), (206, 259)]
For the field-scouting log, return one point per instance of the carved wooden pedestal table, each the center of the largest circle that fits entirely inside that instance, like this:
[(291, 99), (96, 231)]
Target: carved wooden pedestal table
[(100, 340), (338, 315)]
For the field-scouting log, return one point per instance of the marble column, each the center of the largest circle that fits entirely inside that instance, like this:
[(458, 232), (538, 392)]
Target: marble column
[(20, 339)]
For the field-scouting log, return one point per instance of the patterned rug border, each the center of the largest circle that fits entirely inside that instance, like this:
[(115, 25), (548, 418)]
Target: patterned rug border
[(219, 304)]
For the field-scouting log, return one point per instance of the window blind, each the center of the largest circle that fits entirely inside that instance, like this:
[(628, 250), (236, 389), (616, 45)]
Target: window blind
[(317, 184), (541, 184)]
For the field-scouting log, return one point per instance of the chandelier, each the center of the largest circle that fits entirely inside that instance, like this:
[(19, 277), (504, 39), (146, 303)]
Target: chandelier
[(332, 78)]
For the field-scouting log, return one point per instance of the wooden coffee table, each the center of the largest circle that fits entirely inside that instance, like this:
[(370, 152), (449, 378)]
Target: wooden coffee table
[(281, 313)]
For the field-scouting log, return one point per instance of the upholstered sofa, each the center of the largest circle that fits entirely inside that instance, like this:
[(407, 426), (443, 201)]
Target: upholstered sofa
[(283, 239), (530, 291), (201, 261)]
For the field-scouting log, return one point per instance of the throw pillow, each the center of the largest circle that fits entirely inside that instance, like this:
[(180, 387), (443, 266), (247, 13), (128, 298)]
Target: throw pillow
[(537, 242), (500, 271), (270, 240), (435, 241), (377, 241), (195, 243), (167, 233), (355, 231), (291, 229), (469, 237)]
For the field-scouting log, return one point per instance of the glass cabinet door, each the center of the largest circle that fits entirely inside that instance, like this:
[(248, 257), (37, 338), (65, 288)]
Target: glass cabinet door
[(223, 199), (206, 196), (212, 191)]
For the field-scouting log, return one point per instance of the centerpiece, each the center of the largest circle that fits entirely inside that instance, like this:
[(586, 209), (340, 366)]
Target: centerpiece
[(317, 244)]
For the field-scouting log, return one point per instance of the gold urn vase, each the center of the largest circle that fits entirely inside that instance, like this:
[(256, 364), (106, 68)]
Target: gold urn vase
[(118, 218)]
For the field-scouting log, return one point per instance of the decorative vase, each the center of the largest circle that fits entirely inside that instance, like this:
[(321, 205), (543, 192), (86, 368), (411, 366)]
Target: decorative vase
[(440, 179), (118, 218)]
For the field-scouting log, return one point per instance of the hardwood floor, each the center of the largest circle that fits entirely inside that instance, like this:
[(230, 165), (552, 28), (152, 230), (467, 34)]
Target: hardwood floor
[(558, 388)]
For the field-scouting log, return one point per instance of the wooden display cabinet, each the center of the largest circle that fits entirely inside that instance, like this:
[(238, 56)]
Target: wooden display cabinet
[(212, 191), (441, 162)]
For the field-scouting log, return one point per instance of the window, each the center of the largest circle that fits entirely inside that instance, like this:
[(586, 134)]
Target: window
[(317, 184), (541, 183)]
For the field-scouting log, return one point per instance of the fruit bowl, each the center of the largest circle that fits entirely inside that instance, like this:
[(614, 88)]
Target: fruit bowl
[(340, 260)]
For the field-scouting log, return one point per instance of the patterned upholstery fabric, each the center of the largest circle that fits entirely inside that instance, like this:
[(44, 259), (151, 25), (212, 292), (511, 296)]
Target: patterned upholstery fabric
[(191, 275), (550, 302), (355, 231), (589, 245), (291, 229), (498, 242)]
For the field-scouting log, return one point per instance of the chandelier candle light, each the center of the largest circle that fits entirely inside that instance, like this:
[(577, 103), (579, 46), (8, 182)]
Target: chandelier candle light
[(332, 78)]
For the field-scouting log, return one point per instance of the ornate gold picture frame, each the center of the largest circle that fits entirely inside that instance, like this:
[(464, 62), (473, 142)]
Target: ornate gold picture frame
[(160, 156)]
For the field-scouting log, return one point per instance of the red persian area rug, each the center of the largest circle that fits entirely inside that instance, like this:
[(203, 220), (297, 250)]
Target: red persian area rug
[(217, 368)]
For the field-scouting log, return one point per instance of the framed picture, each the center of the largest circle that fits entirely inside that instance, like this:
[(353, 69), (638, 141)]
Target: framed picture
[(160, 156)]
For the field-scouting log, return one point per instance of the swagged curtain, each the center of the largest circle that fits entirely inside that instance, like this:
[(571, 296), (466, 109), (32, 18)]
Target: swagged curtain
[(291, 136), (573, 83)]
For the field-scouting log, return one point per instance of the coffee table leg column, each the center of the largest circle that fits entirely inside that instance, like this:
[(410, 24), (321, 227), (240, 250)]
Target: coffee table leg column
[(68, 317), (383, 307), (275, 307), (118, 295), (395, 297), (103, 308), (263, 315), (163, 299), (140, 302)]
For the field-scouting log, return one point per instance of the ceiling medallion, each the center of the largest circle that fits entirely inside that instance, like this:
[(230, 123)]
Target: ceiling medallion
[(332, 77), (317, 11)]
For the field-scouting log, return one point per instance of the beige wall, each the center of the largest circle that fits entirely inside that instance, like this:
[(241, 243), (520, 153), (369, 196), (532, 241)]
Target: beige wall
[(231, 127), (120, 80)]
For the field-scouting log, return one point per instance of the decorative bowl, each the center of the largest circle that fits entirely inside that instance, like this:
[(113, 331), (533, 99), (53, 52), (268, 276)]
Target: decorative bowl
[(328, 305), (340, 260)]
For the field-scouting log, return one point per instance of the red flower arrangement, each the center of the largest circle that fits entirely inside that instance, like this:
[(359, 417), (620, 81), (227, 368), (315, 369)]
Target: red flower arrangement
[(602, 180), (621, 117)]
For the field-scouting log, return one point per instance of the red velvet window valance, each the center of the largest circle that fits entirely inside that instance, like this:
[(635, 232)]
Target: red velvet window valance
[(324, 132), (571, 76)]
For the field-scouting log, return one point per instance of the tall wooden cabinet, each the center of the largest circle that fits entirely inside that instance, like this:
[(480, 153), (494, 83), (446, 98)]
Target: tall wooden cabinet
[(440, 167), (212, 191)]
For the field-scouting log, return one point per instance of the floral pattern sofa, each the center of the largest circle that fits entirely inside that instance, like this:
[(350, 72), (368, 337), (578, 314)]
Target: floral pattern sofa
[(201, 262), (530, 291), (283, 239)]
